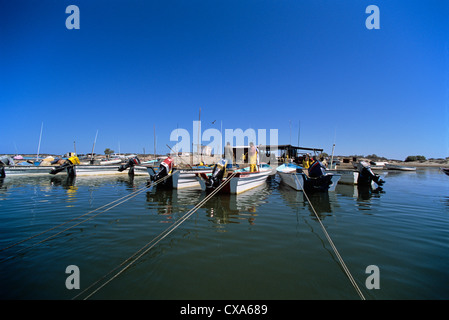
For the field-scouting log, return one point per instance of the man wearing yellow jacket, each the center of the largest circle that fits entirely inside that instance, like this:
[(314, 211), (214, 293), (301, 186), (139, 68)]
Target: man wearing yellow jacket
[(253, 155)]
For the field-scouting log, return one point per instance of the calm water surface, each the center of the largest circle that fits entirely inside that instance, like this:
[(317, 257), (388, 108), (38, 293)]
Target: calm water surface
[(263, 244)]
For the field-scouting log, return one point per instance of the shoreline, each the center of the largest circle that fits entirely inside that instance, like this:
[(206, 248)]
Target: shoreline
[(211, 159), (423, 164)]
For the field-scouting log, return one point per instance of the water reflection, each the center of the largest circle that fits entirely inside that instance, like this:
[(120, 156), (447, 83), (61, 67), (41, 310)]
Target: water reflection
[(170, 202), (446, 202), (221, 209), (361, 194), (3, 187), (70, 185), (324, 203), (225, 209)]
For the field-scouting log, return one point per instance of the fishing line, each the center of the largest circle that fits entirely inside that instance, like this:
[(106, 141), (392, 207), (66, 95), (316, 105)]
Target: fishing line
[(345, 269), (117, 202), (153, 242)]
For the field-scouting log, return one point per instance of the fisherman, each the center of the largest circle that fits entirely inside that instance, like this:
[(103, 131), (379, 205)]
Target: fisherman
[(229, 155), (306, 161), (253, 155)]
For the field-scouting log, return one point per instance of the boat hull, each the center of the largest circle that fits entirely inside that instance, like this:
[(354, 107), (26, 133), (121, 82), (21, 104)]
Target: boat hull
[(241, 182), (94, 170), (183, 179), (400, 168), (80, 170), (346, 176), (299, 180), (20, 171), (245, 181)]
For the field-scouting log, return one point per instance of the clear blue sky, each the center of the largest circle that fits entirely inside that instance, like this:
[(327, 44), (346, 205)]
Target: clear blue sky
[(262, 64)]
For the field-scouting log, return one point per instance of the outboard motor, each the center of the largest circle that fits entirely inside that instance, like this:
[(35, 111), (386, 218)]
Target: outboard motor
[(55, 161), (366, 175), (69, 164), (318, 179), (5, 161), (316, 169), (217, 174), (130, 164), (165, 169)]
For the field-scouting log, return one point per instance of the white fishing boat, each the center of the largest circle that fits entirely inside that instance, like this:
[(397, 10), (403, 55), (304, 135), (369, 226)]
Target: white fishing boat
[(110, 162), (346, 176), (375, 165), (31, 170), (293, 176), (187, 178), (100, 170), (80, 170), (398, 167), (242, 180), (182, 178), (102, 162), (264, 165)]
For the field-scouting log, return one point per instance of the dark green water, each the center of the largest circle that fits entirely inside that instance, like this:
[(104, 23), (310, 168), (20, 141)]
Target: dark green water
[(263, 244)]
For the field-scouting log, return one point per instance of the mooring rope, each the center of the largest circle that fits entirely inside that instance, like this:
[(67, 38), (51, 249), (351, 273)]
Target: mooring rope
[(147, 247), (345, 268), (117, 202)]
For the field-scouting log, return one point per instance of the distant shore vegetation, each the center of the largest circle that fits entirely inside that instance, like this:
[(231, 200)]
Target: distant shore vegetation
[(415, 158)]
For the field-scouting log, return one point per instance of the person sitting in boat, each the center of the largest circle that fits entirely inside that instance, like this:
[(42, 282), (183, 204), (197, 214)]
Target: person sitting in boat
[(306, 161), (165, 169), (316, 169), (253, 155)]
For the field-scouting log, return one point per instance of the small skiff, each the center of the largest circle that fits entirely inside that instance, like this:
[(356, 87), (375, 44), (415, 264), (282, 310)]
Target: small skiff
[(293, 176)]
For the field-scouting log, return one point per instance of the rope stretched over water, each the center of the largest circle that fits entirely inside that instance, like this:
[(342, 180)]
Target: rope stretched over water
[(147, 247), (346, 270), (117, 202)]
